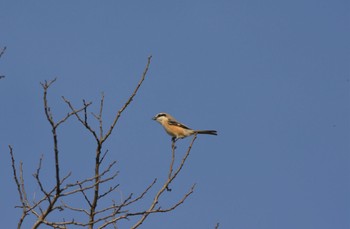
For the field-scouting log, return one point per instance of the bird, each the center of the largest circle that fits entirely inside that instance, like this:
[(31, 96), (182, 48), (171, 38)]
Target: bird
[(176, 129)]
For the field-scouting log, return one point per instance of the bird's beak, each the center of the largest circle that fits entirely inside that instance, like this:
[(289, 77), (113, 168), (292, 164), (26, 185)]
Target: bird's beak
[(154, 118)]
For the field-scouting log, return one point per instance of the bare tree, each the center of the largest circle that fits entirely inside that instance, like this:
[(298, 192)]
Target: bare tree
[(56, 199)]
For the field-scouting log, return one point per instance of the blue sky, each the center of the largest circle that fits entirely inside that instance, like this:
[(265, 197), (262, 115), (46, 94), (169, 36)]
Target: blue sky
[(272, 77)]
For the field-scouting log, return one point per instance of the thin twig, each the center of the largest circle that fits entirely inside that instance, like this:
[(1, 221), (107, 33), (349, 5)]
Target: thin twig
[(129, 100), (111, 189), (82, 121), (37, 177), (78, 183), (100, 115), (74, 209), (20, 187), (3, 51), (85, 196)]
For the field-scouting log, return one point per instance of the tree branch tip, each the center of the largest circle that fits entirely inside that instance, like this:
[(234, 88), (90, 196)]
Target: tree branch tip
[(192, 188), (3, 51), (47, 84)]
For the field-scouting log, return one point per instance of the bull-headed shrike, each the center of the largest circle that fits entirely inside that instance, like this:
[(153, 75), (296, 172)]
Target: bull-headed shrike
[(178, 130)]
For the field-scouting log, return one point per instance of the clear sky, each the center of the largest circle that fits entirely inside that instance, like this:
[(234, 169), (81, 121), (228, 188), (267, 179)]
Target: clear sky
[(272, 77)]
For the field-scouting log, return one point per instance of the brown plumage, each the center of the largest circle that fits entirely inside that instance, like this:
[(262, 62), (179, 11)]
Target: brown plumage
[(176, 129)]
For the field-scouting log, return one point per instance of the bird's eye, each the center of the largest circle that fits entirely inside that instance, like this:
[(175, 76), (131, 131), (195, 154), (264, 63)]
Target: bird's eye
[(160, 115)]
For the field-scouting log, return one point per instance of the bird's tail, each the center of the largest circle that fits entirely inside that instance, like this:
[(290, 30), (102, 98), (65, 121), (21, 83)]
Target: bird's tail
[(212, 132)]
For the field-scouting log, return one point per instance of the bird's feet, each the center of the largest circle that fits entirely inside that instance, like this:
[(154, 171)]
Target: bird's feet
[(173, 140), (168, 189)]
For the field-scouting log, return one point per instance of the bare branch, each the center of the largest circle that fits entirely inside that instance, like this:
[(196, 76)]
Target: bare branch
[(142, 194), (82, 190), (99, 117), (167, 183), (80, 183), (173, 147), (111, 189), (73, 113), (49, 117), (148, 212), (47, 109), (2, 51), (82, 121), (184, 158), (20, 187), (103, 156), (74, 209), (49, 196), (66, 177), (102, 139), (129, 100), (126, 202), (37, 177)]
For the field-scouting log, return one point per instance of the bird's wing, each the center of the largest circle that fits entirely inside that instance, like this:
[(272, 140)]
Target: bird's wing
[(175, 123)]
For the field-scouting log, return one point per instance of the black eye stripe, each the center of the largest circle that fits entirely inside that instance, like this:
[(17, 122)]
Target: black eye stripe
[(160, 115)]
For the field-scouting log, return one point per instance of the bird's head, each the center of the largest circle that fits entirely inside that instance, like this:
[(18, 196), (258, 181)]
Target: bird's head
[(161, 117)]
